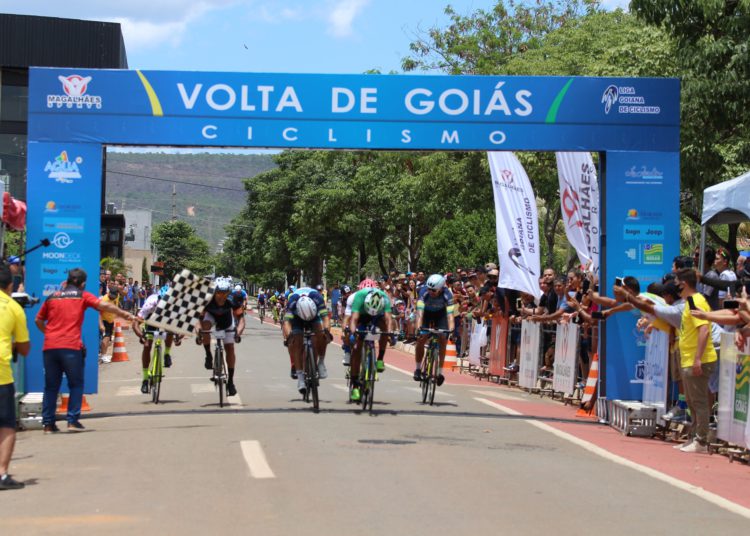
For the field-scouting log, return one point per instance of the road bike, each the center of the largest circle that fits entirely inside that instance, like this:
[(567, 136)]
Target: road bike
[(156, 366), (431, 365), (310, 365), (368, 371), (261, 312), (219, 376)]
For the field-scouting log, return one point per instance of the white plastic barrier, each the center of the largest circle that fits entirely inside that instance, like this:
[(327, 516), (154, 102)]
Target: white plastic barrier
[(734, 393), (530, 352), (566, 358), (655, 373)]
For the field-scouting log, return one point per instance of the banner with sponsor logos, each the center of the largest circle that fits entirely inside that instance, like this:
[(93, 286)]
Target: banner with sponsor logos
[(641, 223), (517, 224), (655, 371), (64, 207), (579, 203), (734, 392), (353, 111), (566, 358), (530, 351)]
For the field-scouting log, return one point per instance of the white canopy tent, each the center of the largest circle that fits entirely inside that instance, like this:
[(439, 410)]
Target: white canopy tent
[(725, 203)]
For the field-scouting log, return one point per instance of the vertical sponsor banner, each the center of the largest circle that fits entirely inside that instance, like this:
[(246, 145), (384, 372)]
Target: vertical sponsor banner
[(498, 345), (641, 234), (530, 350), (566, 357), (517, 224), (734, 388), (64, 206), (579, 203), (655, 371)]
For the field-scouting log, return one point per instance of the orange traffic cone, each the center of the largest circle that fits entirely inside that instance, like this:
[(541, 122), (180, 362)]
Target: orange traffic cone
[(63, 407), (589, 391), (119, 351), (451, 356)]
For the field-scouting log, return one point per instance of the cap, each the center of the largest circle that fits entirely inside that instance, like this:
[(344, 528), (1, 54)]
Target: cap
[(490, 266), (14, 260)]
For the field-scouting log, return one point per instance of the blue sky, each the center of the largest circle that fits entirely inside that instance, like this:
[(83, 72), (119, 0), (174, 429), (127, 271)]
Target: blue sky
[(323, 36)]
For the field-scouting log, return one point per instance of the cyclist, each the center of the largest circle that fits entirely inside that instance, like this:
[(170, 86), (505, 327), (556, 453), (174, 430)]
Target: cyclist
[(224, 312), (365, 283), (146, 337), (346, 293), (434, 310), (273, 303), (306, 308), (240, 296), (370, 306), (261, 303)]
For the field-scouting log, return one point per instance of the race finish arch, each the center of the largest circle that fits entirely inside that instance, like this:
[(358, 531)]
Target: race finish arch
[(632, 123)]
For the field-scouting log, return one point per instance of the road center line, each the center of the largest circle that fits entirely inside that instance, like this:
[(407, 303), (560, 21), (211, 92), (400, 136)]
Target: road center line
[(256, 459), (713, 498)]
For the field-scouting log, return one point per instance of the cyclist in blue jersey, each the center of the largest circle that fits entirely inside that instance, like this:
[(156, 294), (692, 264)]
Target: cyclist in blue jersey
[(306, 308), (434, 310), (239, 296)]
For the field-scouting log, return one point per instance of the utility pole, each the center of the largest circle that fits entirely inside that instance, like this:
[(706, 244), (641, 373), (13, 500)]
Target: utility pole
[(174, 202)]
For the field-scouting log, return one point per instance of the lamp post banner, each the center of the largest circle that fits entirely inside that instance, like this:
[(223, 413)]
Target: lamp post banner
[(579, 203), (517, 224)]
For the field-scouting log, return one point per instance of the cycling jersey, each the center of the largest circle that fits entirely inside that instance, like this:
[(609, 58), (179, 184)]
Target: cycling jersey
[(223, 315), (358, 303), (261, 299), (431, 304), (148, 306), (314, 295), (349, 302)]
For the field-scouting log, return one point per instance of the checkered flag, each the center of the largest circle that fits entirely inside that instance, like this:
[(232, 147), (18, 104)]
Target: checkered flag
[(179, 310)]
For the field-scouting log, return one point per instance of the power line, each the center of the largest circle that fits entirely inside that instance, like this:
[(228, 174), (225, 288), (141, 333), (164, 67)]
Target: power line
[(175, 181)]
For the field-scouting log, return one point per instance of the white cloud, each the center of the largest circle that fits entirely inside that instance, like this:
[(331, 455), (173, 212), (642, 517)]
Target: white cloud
[(341, 18), (611, 5)]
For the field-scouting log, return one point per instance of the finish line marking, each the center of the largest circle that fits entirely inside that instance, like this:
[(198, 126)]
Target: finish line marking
[(256, 460), (713, 498)]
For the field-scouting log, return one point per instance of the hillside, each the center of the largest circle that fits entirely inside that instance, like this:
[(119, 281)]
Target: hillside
[(131, 183)]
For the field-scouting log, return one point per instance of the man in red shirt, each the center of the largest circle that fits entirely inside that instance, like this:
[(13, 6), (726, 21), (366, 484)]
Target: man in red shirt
[(60, 319)]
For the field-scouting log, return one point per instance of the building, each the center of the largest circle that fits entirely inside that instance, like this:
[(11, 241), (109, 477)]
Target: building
[(138, 227), (51, 42)]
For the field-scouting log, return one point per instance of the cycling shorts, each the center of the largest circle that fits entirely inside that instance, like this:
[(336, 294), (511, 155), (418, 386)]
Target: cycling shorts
[(208, 317), (298, 325), (435, 320), (108, 328)]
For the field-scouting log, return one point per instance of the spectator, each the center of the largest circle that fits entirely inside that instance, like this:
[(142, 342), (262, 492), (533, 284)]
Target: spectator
[(16, 271), (709, 292), (107, 325), (335, 298), (721, 264), (698, 360), (14, 337), (60, 319)]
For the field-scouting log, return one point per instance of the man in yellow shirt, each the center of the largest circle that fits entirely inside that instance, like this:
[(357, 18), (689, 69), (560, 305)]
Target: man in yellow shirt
[(698, 359), (107, 324), (13, 335)]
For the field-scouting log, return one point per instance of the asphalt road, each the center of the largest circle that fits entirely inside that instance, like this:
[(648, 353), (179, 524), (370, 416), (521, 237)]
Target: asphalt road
[(267, 465)]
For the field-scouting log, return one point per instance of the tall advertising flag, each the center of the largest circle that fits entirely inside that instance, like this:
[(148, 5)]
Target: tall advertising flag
[(517, 224), (579, 202)]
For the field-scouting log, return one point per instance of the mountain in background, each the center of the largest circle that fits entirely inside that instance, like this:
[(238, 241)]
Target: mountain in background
[(140, 181)]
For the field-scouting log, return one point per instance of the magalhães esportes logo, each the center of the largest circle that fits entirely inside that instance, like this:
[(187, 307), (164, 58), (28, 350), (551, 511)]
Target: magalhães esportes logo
[(74, 88)]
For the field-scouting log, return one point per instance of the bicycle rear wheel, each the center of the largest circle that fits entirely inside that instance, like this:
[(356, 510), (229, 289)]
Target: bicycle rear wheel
[(372, 371)]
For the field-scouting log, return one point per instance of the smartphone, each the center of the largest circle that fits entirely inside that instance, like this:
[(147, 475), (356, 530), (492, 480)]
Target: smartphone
[(586, 285), (691, 303), (731, 304), (618, 281), (598, 315)]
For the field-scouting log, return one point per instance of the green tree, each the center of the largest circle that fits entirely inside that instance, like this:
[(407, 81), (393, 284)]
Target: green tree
[(467, 240), (145, 275), (116, 266), (179, 247)]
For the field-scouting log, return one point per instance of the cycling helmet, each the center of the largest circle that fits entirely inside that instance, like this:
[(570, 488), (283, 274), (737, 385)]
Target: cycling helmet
[(237, 288), (163, 291), (223, 285), (292, 288), (367, 283), (435, 282), (374, 304), (306, 308), (346, 289)]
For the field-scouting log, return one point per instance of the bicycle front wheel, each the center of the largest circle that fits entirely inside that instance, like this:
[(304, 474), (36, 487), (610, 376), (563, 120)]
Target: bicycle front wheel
[(425, 383), (311, 376), (434, 371), (219, 375), (156, 372)]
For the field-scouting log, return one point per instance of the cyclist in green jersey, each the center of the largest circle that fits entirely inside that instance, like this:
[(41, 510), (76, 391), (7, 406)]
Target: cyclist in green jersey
[(370, 306)]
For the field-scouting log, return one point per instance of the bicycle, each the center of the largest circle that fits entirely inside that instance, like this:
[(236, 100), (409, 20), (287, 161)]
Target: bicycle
[(310, 365), (220, 377), (261, 312), (156, 366), (431, 365), (368, 372)]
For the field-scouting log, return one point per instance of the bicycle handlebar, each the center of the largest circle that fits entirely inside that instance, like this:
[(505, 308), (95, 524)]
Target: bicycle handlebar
[(434, 331)]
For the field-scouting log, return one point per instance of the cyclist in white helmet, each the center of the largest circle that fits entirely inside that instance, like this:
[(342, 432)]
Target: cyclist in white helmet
[(306, 308), (370, 306), (225, 312), (434, 310)]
